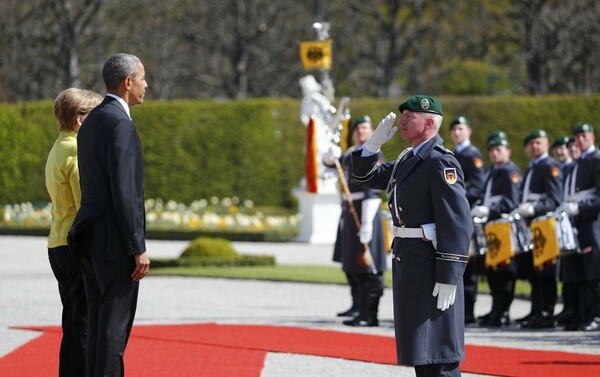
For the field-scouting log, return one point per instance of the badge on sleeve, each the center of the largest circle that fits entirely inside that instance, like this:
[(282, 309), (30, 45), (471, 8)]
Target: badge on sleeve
[(555, 171), (450, 175), (515, 177), (478, 162)]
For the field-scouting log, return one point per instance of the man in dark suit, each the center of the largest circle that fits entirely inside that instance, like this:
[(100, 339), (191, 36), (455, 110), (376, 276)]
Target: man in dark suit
[(432, 229), (109, 229), (471, 162)]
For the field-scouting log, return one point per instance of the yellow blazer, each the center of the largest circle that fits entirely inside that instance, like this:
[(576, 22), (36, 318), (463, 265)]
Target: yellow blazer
[(62, 183)]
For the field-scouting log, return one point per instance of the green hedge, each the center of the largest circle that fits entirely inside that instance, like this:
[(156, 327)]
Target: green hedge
[(253, 149)]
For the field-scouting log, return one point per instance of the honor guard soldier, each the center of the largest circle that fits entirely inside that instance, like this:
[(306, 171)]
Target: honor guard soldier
[(365, 276), (501, 197), (541, 192), (584, 205), (570, 313), (471, 162), (432, 229)]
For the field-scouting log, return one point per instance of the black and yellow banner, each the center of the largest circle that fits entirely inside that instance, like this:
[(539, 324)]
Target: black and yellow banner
[(316, 54)]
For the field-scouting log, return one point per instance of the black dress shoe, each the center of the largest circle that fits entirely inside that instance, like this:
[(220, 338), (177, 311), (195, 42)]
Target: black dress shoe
[(565, 317), (526, 322), (482, 319), (498, 320), (544, 321), (574, 325), (527, 318), (593, 325), (357, 322), (352, 312)]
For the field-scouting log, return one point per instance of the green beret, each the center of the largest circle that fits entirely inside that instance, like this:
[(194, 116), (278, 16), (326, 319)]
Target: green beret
[(534, 135), (561, 140), (497, 133), (583, 127), (422, 104), (459, 120), (571, 140), (359, 120), (496, 141)]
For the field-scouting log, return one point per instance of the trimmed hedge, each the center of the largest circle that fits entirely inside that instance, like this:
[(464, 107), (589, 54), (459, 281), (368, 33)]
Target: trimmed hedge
[(254, 149)]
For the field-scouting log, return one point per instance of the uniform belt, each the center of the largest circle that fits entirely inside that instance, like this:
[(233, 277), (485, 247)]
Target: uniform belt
[(403, 232), (356, 195)]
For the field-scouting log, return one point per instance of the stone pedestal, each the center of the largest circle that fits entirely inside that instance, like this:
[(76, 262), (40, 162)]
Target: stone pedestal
[(320, 216)]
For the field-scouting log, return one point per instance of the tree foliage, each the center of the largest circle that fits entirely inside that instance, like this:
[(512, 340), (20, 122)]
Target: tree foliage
[(249, 48)]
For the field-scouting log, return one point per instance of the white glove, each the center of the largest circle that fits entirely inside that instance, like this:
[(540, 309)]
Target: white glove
[(384, 132), (571, 208), (480, 211), (446, 293), (333, 153), (526, 209), (368, 211)]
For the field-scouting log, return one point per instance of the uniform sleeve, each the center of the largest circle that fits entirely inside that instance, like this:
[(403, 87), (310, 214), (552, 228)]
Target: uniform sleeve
[(474, 187), (452, 220), (127, 185), (553, 189), (510, 181), (368, 173), (590, 206)]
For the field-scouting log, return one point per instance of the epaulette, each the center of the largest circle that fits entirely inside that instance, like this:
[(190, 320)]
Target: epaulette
[(443, 149)]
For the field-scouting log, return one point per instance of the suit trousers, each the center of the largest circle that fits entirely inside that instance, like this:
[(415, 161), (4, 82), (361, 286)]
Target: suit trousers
[(67, 270), (112, 301)]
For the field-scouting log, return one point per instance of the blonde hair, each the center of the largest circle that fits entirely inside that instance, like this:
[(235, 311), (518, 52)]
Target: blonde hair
[(71, 103)]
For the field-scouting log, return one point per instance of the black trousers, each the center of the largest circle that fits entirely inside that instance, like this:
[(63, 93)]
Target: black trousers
[(369, 288), (502, 288), (67, 270), (112, 301), (435, 370)]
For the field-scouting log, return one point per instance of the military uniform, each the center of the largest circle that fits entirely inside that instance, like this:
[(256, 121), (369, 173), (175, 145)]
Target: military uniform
[(585, 189), (501, 196), (471, 162), (542, 187), (366, 287), (423, 189)]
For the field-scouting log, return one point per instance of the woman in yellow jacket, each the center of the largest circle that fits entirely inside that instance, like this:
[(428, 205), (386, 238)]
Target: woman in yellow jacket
[(62, 182)]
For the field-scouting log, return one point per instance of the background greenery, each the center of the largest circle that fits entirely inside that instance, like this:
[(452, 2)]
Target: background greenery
[(254, 149)]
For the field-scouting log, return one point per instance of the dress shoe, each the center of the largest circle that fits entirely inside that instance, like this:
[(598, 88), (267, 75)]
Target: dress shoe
[(527, 318), (565, 317), (496, 320), (574, 325), (352, 312), (484, 318), (358, 322), (543, 321), (593, 325)]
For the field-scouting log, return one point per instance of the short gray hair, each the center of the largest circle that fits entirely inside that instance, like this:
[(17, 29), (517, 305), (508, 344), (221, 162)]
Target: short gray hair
[(117, 67)]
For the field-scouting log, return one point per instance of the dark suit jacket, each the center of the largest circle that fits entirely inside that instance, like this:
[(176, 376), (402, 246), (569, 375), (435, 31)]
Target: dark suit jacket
[(111, 169)]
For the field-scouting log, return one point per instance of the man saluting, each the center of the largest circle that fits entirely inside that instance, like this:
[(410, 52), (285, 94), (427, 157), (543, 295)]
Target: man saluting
[(432, 229)]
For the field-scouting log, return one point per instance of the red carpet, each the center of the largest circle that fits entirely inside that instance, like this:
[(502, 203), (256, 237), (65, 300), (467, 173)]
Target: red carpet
[(240, 350)]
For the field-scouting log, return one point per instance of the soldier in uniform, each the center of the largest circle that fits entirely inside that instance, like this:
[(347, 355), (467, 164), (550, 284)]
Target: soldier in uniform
[(584, 205), (364, 272), (501, 196), (570, 312), (541, 193), (432, 229), (471, 162)]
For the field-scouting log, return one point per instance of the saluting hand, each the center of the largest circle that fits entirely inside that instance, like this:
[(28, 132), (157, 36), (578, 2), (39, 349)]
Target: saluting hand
[(142, 266), (384, 132)]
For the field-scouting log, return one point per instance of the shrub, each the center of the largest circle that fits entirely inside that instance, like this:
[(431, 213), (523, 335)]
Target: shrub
[(203, 247)]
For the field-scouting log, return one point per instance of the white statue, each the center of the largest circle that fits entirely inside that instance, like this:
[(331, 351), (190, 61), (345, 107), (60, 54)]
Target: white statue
[(315, 104)]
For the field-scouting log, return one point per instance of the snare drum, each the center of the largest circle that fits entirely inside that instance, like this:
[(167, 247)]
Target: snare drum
[(501, 242), (478, 240), (566, 234), (545, 241)]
